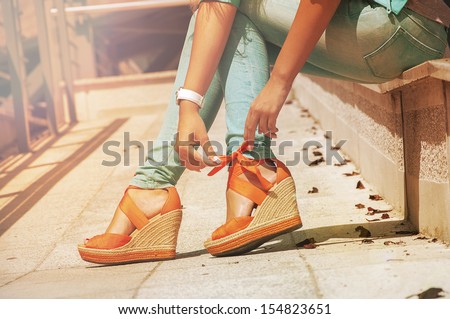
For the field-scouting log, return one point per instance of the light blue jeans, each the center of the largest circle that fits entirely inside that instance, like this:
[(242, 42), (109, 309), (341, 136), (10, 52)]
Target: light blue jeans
[(363, 43)]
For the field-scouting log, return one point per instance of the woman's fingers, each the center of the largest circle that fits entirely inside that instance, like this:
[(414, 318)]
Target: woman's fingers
[(272, 123), (263, 128), (192, 135), (250, 128), (210, 157), (191, 158), (272, 126), (265, 123)]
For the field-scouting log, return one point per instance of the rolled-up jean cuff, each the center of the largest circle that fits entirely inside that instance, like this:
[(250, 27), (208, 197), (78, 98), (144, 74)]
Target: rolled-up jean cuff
[(149, 184), (260, 151)]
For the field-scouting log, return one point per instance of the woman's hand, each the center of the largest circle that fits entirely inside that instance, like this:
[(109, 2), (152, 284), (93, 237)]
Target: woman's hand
[(191, 133), (264, 110), (311, 19)]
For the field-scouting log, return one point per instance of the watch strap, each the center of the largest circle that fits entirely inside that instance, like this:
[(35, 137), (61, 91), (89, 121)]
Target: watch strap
[(185, 94)]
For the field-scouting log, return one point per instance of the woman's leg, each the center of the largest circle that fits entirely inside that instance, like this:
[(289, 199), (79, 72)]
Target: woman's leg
[(162, 168), (261, 198), (362, 42), (243, 71)]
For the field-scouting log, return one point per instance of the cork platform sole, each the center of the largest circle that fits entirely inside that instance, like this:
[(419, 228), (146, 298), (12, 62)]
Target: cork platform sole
[(155, 241), (278, 214)]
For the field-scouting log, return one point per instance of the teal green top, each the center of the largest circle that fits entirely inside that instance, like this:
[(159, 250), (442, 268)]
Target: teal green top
[(391, 5)]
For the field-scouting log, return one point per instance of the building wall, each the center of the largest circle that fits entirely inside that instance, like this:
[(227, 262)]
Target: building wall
[(399, 139)]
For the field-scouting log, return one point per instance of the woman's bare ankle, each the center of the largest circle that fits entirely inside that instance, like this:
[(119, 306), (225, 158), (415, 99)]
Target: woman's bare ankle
[(150, 201), (238, 205)]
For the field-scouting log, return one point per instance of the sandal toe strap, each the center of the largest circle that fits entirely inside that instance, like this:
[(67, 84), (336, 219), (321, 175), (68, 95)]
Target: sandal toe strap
[(233, 226), (107, 241)]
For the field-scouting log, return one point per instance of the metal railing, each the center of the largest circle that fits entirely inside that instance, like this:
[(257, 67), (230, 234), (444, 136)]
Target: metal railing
[(17, 73), (15, 56), (126, 6)]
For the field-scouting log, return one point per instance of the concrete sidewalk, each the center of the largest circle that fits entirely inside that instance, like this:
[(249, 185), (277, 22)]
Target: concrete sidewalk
[(52, 200)]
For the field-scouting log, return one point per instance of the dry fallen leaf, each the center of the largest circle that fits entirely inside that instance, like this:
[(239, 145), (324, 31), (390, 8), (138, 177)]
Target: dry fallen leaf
[(372, 211), (367, 241), (406, 232), (351, 174), (313, 190), (360, 185), (340, 164), (343, 162), (375, 197), (385, 216), (431, 293), (317, 161), (363, 232), (390, 242), (308, 243), (317, 153), (359, 206)]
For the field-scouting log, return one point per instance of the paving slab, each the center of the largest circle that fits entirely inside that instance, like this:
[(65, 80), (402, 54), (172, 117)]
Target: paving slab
[(38, 256)]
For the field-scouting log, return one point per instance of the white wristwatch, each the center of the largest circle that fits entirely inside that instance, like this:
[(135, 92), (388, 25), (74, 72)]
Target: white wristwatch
[(185, 94)]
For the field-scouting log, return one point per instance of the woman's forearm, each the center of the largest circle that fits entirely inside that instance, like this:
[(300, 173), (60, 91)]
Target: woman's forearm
[(212, 29), (311, 20)]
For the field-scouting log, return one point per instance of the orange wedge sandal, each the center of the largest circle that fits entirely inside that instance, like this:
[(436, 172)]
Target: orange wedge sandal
[(276, 210), (154, 238)]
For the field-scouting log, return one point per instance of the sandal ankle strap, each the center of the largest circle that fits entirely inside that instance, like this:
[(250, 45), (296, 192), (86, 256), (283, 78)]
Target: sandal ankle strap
[(245, 164), (137, 216), (242, 164)]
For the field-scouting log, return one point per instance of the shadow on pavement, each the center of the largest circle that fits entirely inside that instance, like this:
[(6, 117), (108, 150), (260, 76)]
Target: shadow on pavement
[(340, 234), (15, 209)]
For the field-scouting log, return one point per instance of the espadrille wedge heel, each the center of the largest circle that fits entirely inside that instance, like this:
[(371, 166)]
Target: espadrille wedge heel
[(154, 238), (276, 210)]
